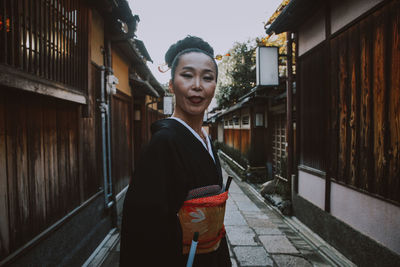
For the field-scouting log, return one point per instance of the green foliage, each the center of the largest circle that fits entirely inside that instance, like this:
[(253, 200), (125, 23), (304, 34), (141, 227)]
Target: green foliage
[(237, 73)]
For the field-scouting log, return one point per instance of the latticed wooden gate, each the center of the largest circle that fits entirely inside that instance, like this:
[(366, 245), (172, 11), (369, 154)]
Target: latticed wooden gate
[(279, 143)]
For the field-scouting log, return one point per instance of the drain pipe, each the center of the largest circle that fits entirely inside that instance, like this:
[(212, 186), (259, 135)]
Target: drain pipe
[(109, 149), (104, 110)]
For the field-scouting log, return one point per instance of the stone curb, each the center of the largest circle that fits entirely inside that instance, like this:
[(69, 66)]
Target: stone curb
[(329, 253)]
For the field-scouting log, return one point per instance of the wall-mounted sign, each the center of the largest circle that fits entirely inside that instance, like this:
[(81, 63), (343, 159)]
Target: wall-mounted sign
[(168, 105), (267, 66)]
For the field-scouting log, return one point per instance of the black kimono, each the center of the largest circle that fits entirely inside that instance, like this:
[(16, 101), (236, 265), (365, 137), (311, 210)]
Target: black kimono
[(173, 163)]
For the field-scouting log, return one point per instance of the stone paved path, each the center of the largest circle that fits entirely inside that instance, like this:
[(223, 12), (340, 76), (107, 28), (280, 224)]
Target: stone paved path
[(257, 233), (258, 236)]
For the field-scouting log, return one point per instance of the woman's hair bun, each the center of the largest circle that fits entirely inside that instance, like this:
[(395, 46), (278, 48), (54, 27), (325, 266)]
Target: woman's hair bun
[(187, 43)]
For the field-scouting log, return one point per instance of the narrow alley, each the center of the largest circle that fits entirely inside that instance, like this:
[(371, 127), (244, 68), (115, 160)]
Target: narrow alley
[(300, 99), (258, 235)]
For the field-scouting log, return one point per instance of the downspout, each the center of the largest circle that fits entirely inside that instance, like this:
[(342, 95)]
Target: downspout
[(108, 98), (289, 108), (105, 109)]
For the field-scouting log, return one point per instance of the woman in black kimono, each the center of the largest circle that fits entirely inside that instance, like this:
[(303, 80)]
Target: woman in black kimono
[(178, 158)]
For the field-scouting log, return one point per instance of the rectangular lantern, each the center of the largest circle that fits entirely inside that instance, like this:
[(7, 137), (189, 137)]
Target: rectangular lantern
[(267, 66), (168, 105)]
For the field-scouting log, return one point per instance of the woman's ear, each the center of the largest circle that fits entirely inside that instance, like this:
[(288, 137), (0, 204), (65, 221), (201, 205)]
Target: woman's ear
[(170, 87)]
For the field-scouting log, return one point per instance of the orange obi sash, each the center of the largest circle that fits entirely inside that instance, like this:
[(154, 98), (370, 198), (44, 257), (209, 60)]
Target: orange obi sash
[(206, 216)]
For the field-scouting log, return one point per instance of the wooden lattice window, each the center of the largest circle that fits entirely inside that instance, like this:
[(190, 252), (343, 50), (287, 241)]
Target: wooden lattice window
[(46, 38), (279, 143)]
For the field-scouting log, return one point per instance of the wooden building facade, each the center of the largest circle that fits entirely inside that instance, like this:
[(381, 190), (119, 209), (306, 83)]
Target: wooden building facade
[(66, 145), (256, 127), (347, 186)]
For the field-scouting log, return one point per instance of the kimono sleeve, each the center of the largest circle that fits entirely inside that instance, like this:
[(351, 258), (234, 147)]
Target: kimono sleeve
[(151, 233)]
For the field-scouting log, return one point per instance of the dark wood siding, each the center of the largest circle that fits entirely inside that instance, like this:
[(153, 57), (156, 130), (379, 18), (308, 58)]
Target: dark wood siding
[(122, 139), (245, 141), (363, 119), (313, 111), (90, 139), (49, 161), (368, 75), (39, 163), (238, 139)]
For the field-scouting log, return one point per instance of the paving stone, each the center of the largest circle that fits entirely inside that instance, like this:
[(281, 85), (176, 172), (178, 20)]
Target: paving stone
[(256, 214), (240, 235), (230, 206), (267, 231), (239, 197), (246, 206), (259, 222), (234, 218), (252, 256), (288, 260), (277, 244)]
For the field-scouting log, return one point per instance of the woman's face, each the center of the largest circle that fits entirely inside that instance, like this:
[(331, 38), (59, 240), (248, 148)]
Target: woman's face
[(194, 84)]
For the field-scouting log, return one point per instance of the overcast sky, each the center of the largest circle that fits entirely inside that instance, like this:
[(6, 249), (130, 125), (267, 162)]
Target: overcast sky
[(219, 22)]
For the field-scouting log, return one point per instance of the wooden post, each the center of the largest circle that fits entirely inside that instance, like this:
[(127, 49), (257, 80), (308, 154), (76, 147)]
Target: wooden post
[(328, 133), (289, 107)]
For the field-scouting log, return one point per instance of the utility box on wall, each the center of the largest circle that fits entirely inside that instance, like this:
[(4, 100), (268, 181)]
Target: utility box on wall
[(267, 66)]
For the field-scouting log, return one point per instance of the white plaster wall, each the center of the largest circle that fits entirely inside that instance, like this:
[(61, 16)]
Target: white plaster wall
[(312, 32), (312, 188), (343, 12), (373, 217), (220, 132)]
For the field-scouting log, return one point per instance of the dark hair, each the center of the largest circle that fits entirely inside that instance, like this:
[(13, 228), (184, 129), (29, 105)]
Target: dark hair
[(187, 45)]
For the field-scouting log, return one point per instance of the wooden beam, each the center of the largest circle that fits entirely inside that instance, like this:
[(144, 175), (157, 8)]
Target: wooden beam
[(17, 79)]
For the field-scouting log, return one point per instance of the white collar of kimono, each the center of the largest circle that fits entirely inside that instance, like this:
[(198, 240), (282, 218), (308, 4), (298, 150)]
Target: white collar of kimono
[(198, 136)]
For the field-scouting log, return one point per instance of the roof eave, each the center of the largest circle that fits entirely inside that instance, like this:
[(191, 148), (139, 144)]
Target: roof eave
[(140, 66), (293, 15)]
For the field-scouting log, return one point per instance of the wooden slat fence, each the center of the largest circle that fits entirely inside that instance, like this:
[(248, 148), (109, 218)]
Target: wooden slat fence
[(238, 139), (40, 171), (362, 112), (122, 139), (32, 184)]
